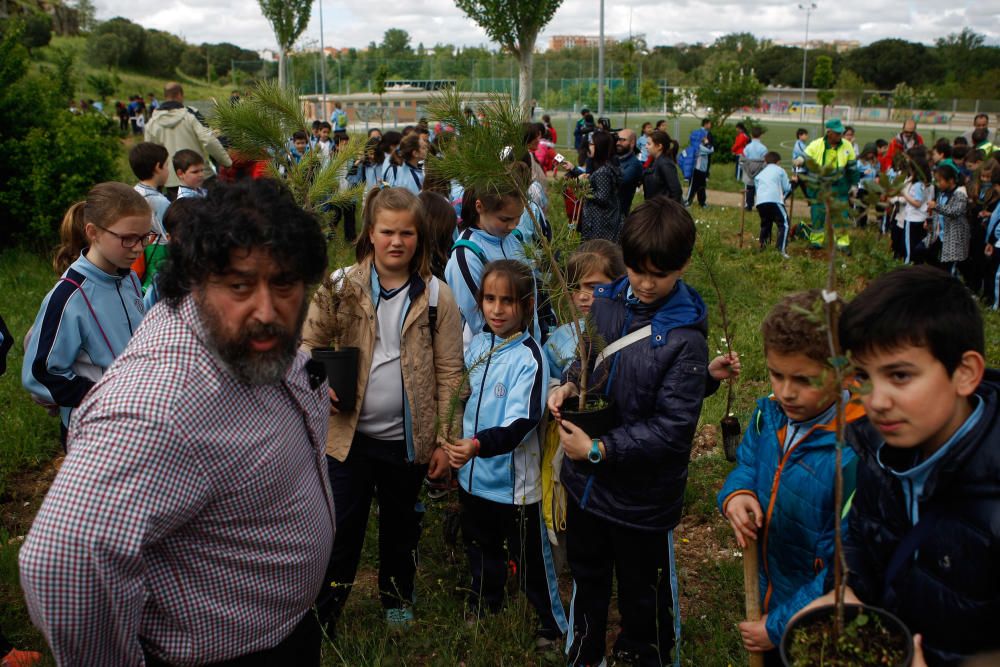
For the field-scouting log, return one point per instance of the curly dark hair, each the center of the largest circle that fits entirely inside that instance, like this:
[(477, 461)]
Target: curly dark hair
[(249, 214), (789, 330)]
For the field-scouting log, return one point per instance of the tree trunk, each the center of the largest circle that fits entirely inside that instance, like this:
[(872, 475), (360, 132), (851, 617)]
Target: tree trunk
[(525, 62), (281, 68)]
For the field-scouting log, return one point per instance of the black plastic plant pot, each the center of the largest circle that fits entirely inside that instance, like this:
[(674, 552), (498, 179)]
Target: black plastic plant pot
[(819, 616), (341, 373), (599, 417), (731, 434)]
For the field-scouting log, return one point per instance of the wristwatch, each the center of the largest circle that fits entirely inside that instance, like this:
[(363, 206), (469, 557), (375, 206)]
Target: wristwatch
[(595, 452)]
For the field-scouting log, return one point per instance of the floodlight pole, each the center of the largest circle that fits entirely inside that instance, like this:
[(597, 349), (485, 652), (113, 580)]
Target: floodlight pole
[(322, 58), (805, 50), (600, 66)]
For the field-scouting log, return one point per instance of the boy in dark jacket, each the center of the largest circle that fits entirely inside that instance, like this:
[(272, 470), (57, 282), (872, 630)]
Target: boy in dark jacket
[(781, 491), (626, 487), (924, 537)]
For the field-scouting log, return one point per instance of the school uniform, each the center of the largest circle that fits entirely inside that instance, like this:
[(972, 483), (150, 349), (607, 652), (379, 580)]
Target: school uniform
[(500, 488), (622, 510), (869, 173), (992, 280), (914, 218), (84, 323), (410, 178), (699, 175), (751, 162), (184, 191), (798, 159), (772, 187), (473, 250)]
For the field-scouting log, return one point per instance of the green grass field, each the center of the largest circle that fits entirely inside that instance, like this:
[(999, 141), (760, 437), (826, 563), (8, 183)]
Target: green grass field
[(708, 561)]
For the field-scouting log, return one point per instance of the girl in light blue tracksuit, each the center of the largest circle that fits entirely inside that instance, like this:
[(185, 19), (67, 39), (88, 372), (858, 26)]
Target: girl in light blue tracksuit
[(500, 458), (485, 235), (90, 315), (772, 186)]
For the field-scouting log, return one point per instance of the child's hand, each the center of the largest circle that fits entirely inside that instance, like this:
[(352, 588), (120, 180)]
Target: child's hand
[(333, 402), (725, 366), (575, 442), (558, 395), (439, 467), (738, 514), (754, 635), (460, 451), (989, 250)]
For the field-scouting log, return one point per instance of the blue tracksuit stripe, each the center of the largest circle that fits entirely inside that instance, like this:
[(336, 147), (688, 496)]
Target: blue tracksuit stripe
[(675, 595), (551, 579), (783, 240), (64, 390)]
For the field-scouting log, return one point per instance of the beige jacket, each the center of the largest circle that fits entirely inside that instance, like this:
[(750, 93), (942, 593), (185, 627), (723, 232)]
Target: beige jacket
[(432, 366), (177, 128)]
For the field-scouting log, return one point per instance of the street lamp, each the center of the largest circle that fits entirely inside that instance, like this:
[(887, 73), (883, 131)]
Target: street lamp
[(808, 9), (600, 66), (322, 59)]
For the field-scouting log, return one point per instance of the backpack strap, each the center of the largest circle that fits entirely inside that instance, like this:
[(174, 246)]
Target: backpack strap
[(433, 291), (92, 312), (908, 546), (623, 342), (471, 245)]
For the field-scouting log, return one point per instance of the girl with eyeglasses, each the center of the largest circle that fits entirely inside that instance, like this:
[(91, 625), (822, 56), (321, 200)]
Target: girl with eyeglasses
[(88, 318)]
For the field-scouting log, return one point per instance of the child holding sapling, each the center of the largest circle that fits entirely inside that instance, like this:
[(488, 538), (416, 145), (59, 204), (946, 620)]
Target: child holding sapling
[(923, 537), (781, 492), (406, 326), (499, 457), (626, 486), (595, 262)]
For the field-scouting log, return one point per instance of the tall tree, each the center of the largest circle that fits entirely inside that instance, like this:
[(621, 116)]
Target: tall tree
[(514, 24), (288, 19)]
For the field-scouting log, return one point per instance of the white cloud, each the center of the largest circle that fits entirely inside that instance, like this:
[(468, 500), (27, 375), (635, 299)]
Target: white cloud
[(355, 24)]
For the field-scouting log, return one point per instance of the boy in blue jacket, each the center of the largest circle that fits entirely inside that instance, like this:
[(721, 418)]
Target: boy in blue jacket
[(781, 491), (923, 539), (625, 487)]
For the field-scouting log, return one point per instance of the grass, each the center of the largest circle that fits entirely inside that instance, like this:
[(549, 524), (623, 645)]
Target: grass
[(709, 564)]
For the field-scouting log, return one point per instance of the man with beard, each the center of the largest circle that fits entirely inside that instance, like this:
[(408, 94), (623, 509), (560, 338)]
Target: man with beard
[(631, 169), (191, 522)]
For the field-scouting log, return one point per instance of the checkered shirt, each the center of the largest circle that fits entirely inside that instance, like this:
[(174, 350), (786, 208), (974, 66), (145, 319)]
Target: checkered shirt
[(192, 517)]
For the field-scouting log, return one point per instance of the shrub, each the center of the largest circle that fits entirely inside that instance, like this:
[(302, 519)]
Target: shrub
[(49, 157)]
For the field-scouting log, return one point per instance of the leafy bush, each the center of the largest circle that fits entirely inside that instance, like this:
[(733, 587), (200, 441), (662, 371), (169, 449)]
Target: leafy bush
[(725, 136), (49, 157)]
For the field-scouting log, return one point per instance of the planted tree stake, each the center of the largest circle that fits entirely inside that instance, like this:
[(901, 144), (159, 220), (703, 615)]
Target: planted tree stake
[(751, 590), (743, 216)]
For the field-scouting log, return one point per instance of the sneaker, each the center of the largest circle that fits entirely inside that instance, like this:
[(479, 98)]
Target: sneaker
[(399, 617), (20, 658), (785, 255)]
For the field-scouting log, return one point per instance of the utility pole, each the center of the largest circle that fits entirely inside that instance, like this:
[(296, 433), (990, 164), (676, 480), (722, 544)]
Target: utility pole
[(805, 50), (600, 66), (322, 60)]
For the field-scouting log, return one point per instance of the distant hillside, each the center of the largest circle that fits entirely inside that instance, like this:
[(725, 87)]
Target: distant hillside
[(129, 82)]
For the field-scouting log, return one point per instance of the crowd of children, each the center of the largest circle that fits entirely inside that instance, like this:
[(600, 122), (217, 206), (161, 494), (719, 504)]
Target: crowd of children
[(443, 294)]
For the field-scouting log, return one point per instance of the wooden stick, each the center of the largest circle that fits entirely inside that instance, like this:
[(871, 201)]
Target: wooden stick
[(791, 206), (751, 590), (743, 215)]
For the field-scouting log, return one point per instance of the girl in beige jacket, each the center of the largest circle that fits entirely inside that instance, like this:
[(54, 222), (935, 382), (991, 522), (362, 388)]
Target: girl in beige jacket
[(408, 332)]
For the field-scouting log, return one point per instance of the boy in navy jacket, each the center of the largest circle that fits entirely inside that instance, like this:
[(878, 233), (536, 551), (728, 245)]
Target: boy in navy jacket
[(626, 486), (924, 539)]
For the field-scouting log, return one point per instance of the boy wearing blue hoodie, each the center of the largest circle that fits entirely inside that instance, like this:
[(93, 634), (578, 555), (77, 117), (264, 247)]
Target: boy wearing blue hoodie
[(781, 491), (772, 187), (923, 536), (625, 486)]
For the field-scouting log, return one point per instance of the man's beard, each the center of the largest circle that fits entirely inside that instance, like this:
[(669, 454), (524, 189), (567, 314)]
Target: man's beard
[(249, 366), (622, 151)]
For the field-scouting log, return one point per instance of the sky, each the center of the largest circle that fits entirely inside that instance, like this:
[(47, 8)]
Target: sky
[(353, 23)]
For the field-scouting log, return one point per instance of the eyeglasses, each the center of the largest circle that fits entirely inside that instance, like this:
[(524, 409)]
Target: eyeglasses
[(130, 240)]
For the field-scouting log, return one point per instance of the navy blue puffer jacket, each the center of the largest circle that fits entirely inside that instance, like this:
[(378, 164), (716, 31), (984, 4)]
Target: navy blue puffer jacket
[(658, 385), (949, 591)]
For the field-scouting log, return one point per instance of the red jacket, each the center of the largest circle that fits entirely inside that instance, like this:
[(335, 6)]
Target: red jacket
[(897, 146), (740, 142)]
